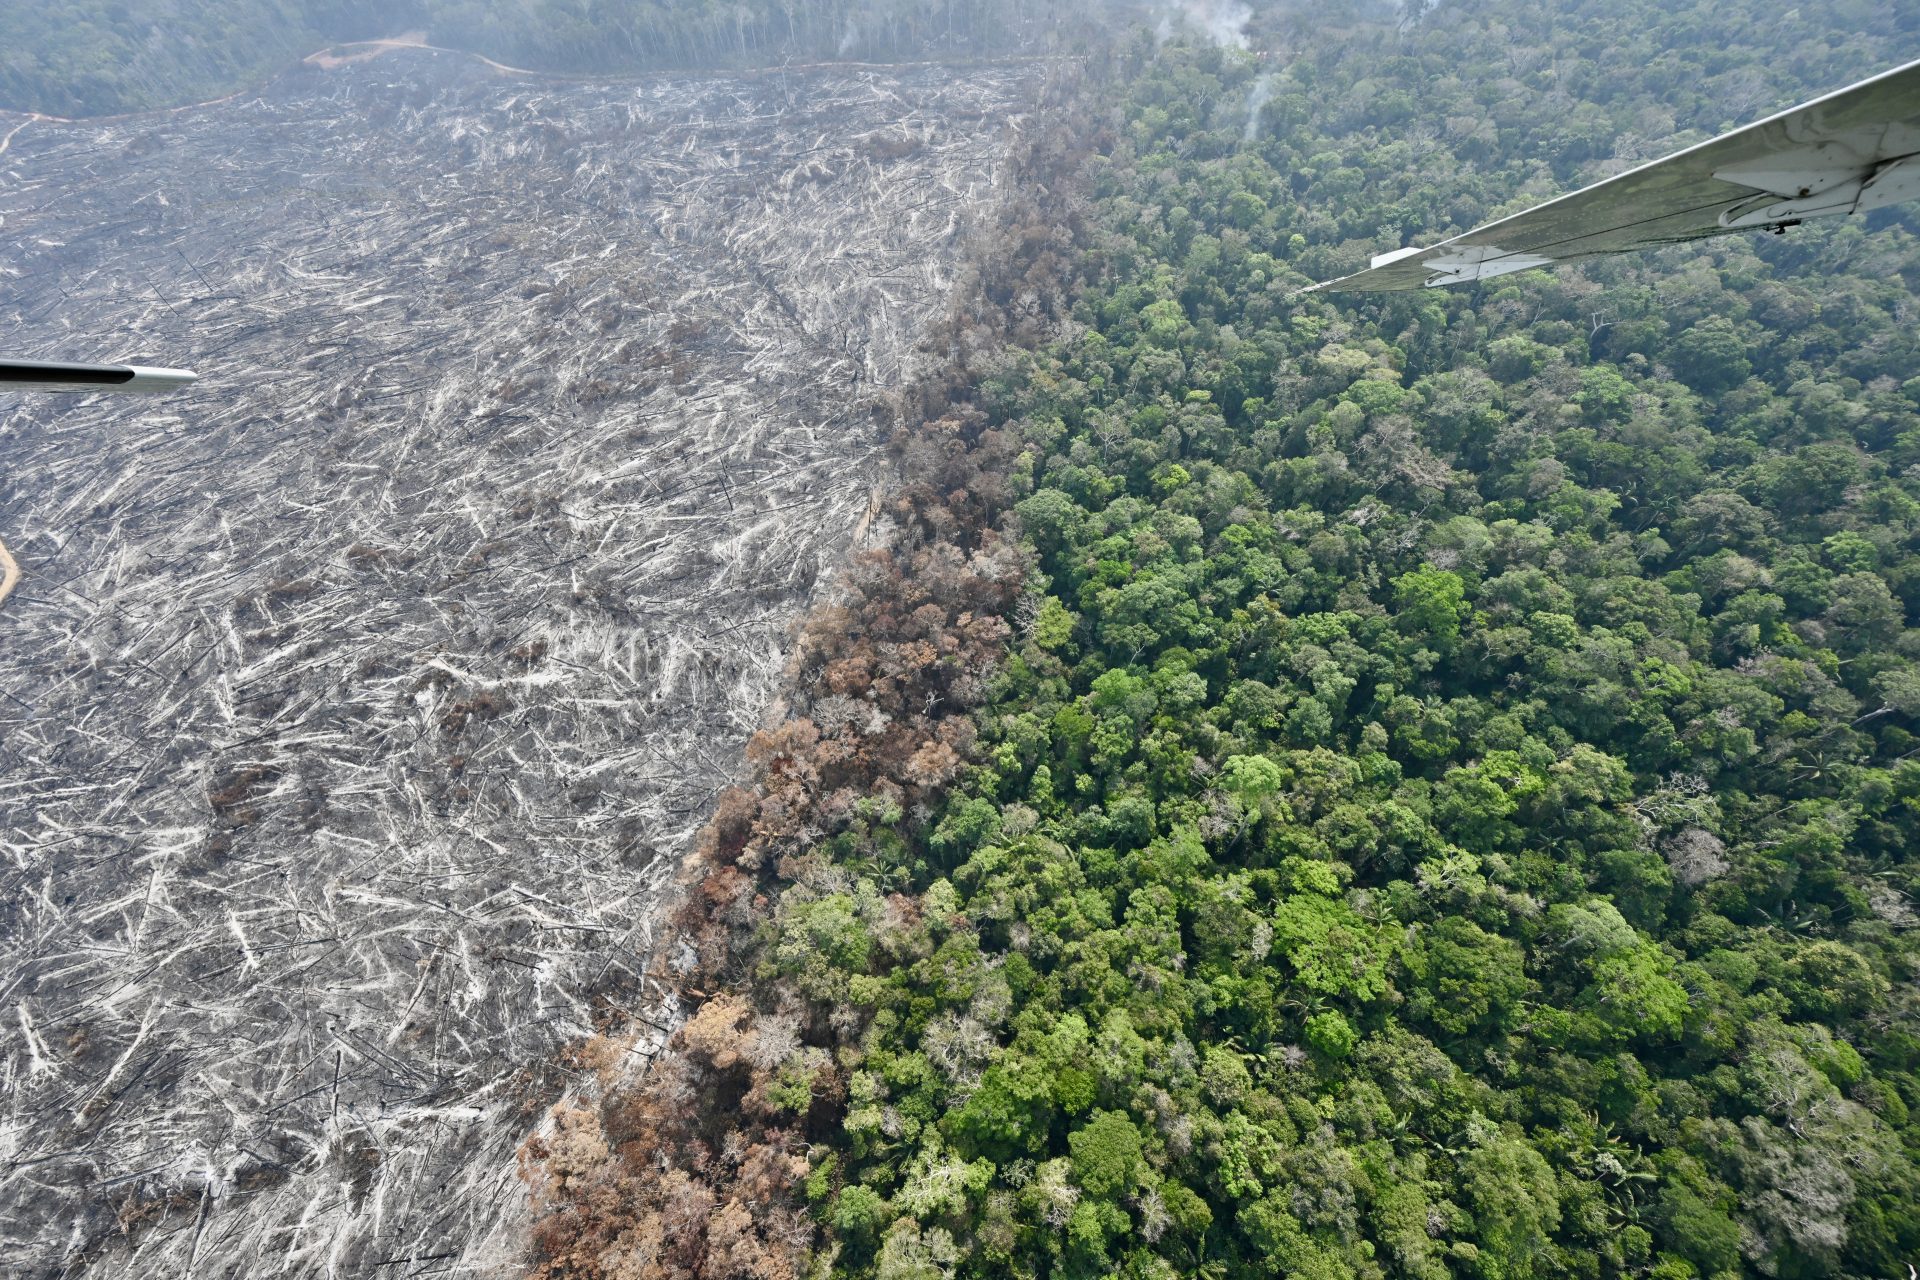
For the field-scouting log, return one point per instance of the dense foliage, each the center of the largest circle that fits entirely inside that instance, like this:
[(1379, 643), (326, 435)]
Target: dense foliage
[(1452, 807)]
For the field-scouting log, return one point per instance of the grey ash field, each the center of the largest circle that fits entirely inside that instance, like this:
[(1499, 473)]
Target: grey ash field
[(357, 704)]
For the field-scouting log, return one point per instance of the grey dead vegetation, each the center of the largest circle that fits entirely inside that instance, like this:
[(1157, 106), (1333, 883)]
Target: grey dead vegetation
[(357, 704)]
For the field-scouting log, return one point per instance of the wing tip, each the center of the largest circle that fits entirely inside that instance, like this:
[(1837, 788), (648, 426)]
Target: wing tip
[(156, 378)]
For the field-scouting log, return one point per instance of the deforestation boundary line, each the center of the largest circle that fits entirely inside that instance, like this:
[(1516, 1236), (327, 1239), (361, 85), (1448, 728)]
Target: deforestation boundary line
[(334, 55)]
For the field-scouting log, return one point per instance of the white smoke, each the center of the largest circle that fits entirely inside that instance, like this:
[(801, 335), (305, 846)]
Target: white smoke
[(1222, 21), (1262, 94)]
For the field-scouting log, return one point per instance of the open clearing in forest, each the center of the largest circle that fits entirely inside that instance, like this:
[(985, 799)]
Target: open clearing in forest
[(358, 702)]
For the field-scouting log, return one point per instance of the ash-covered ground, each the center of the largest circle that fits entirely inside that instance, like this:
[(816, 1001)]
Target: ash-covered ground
[(356, 704)]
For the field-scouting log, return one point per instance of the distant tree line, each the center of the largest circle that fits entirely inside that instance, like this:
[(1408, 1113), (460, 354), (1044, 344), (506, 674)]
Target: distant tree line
[(102, 57)]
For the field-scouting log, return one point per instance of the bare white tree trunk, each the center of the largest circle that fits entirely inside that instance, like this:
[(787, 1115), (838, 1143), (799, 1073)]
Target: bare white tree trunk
[(358, 703)]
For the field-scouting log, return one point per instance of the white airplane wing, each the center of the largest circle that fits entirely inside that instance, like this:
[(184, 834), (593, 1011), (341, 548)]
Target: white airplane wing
[(1849, 152), (57, 375)]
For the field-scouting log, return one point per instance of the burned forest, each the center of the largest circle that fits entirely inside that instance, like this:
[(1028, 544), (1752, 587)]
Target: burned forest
[(360, 702)]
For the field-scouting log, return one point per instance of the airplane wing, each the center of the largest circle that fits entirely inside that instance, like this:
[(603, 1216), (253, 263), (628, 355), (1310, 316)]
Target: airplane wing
[(56, 375), (1849, 152)]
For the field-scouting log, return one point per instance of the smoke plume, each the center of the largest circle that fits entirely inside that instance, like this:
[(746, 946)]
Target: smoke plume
[(1261, 95)]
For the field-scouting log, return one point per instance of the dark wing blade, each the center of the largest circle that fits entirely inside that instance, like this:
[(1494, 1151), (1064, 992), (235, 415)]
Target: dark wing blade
[(59, 375), (1849, 152)]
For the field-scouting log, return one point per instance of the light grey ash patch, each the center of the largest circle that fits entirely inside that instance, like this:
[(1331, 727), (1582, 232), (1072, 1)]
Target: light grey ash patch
[(357, 703)]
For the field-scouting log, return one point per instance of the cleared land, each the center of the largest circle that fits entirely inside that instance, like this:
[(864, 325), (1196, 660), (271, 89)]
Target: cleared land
[(358, 702)]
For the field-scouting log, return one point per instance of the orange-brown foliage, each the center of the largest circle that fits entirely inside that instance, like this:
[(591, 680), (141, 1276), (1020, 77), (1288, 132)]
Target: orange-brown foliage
[(688, 1175)]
